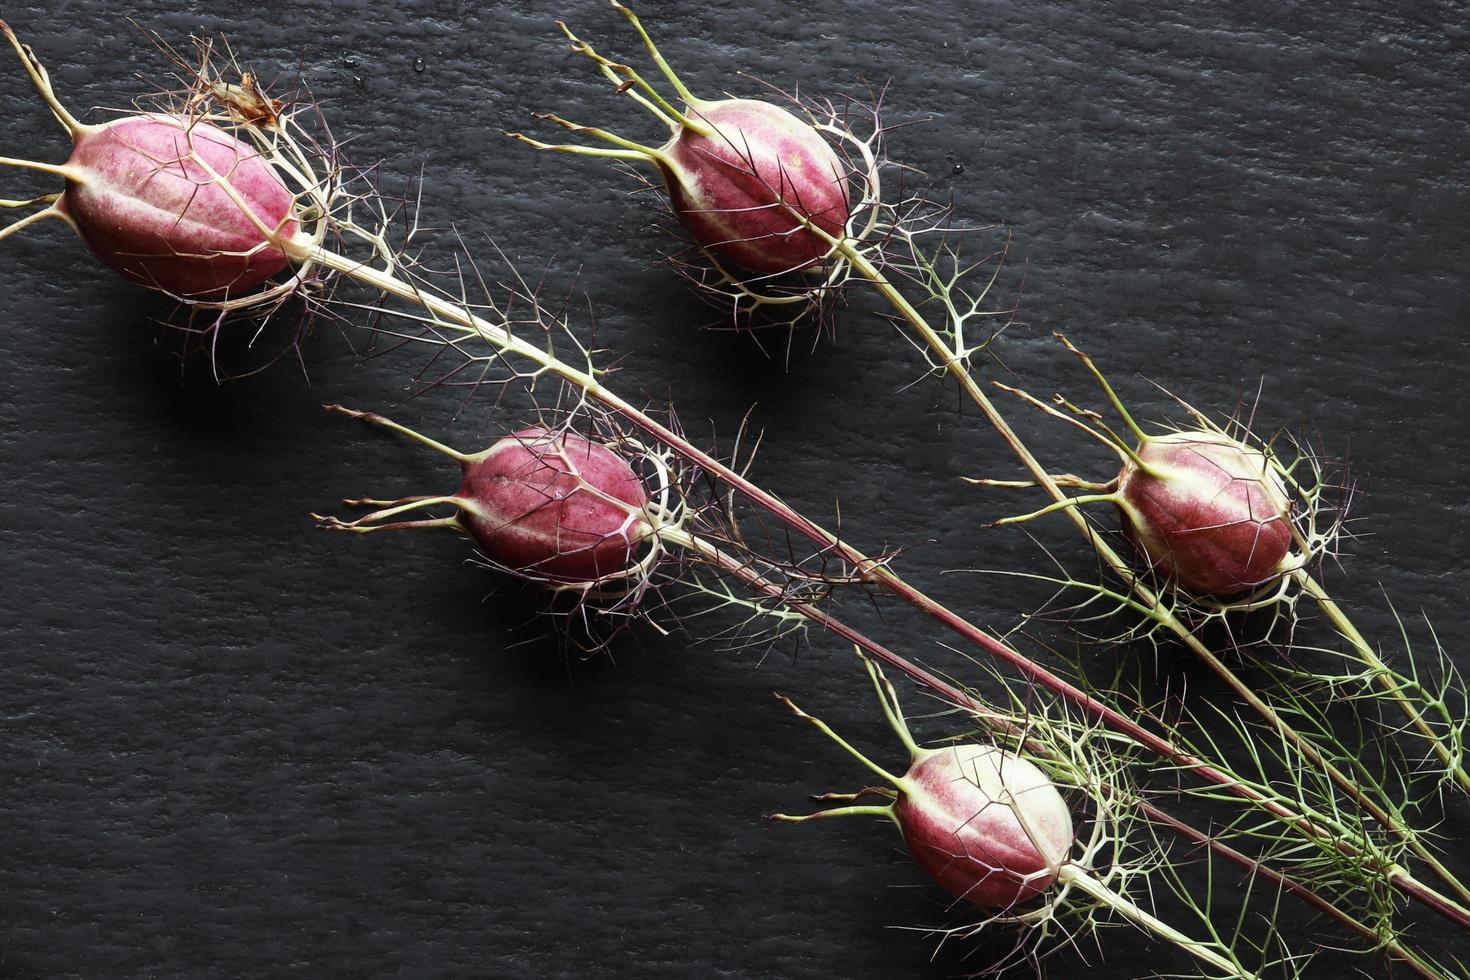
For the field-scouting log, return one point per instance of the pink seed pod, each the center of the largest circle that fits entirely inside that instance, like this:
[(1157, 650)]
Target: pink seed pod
[(1210, 514), (1207, 512), (986, 824), (143, 196), (730, 168), (547, 505), (169, 201), (748, 179), (554, 506)]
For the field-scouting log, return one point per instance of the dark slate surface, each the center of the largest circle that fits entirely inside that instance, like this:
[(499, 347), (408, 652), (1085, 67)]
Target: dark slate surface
[(233, 745)]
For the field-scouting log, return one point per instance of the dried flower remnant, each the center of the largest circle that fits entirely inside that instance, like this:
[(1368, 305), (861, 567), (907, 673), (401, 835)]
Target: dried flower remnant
[(246, 102)]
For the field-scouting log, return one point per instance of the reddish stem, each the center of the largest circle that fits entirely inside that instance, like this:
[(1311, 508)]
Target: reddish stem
[(877, 572), (871, 570), (962, 699)]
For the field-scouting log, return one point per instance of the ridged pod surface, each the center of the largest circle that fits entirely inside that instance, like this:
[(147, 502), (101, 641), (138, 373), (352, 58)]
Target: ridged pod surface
[(554, 506), (732, 175), (987, 825), (1207, 512), (142, 197)]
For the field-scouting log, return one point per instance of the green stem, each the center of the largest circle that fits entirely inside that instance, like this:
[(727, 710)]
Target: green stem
[(1063, 504), (1382, 674), (372, 418), (1072, 875), (884, 810), (629, 156), (43, 199), (716, 557), (366, 523), (957, 368), (16, 227), (632, 146), (658, 59), (43, 83), (1391, 945), (618, 74), (501, 339), (59, 170)]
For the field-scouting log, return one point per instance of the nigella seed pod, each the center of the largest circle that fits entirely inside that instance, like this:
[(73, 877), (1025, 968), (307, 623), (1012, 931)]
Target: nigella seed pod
[(148, 196), (168, 200), (1207, 512), (986, 824), (553, 505), (546, 505), (735, 166), (755, 185), (990, 826)]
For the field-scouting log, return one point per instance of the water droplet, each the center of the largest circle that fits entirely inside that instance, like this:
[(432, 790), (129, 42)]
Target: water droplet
[(959, 168), (357, 80), (418, 64), (348, 61)]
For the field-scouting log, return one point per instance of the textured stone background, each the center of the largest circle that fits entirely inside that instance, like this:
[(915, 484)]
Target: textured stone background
[(233, 745)]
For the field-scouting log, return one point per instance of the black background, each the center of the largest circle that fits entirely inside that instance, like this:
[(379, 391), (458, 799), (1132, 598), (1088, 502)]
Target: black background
[(231, 744)]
